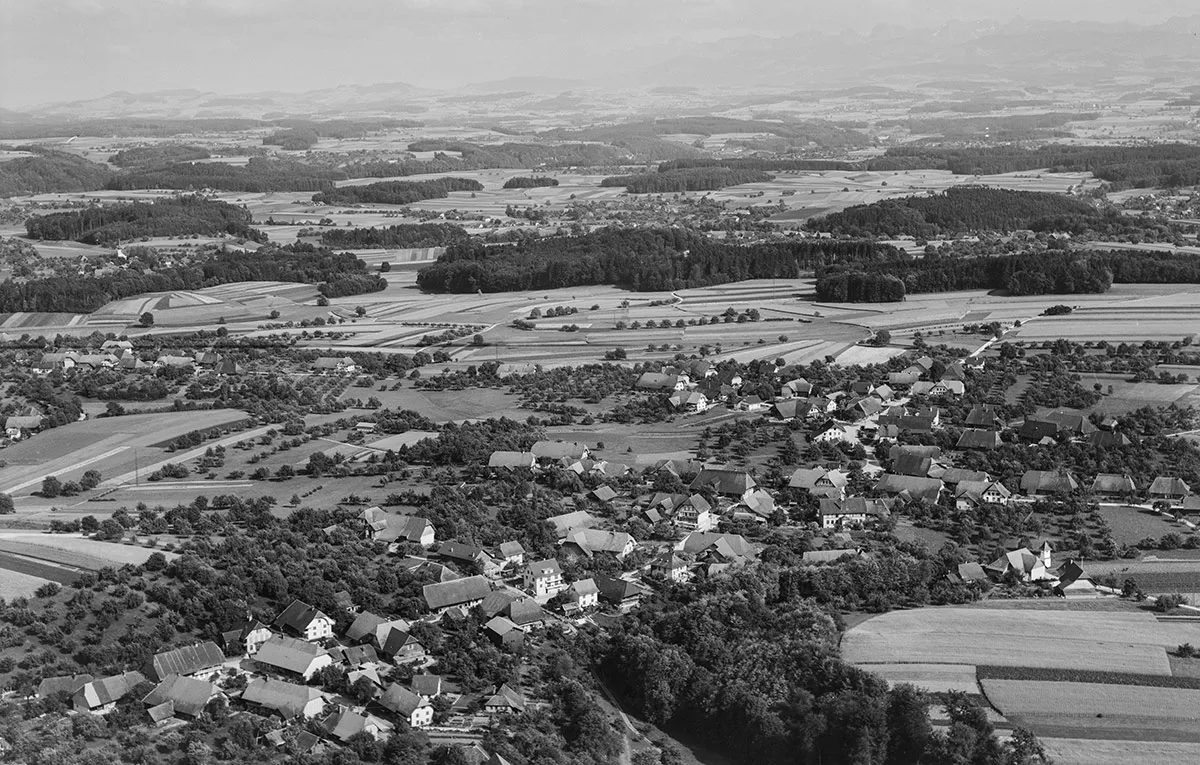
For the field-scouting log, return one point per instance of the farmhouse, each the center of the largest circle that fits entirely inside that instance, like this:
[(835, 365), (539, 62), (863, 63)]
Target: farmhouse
[(101, 696), (831, 432), (304, 621), (940, 388), (400, 644), (463, 593), (512, 553), (544, 578), (413, 707), (796, 389), (694, 514), (288, 700), (567, 522), (729, 483), (835, 513), (588, 542), (1169, 487), (331, 365), (581, 595), (293, 656), (1048, 482), (1027, 566), (67, 684), (190, 660), (504, 633), (978, 439), (505, 699), (728, 547), (671, 567), (1114, 485), (689, 401), (972, 493), (984, 416), (659, 381), (820, 482), (505, 460), (906, 462), (248, 638), (16, 427), (185, 696), (623, 594), (555, 451), (345, 724), (908, 487)]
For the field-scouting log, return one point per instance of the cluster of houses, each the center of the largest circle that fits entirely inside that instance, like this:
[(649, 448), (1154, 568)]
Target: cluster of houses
[(120, 355)]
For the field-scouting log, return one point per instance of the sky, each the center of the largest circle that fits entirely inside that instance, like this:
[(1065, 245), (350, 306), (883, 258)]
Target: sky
[(56, 50)]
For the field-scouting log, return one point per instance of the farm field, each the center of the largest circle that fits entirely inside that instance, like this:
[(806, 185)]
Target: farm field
[(1083, 751), (14, 584), (1128, 396), (1155, 575), (1053, 639), (937, 678), (111, 445), (1130, 525), (76, 551)]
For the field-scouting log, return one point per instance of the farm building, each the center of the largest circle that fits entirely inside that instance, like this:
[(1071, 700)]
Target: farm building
[(554, 451), (1169, 487), (973, 493), (729, 483), (955, 476), (507, 460), (504, 633), (345, 724), (820, 482), (1114, 484), (293, 656), (1026, 565), (588, 542), (984, 416), (659, 381), (623, 594), (854, 510), (413, 707), (464, 593), (579, 519), (940, 388), (67, 684), (504, 700), (978, 439), (331, 365), (285, 699), (911, 487), (190, 660), (1048, 482), (101, 696), (304, 621), (186, 696)]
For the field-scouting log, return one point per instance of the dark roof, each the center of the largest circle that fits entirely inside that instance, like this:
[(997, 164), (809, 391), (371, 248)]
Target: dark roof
[(297, 616), (188, 694), (724, 481), (364, 626), (401, 700), (984, 415), (926, 489), (1108, 438), (617, 590), (1048, 482), (288, 699), (109, 689), (62, 684), (911, 464), (1035, 430), (456, 592), (1169, 486), (978, 439), (184, 661)]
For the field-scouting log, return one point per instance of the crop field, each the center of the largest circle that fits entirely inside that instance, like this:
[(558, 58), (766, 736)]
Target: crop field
[(14, 584), (1122, 642), (1130, 525), (1082, 751), (110, 445), (1092, 709), (1155, 575), (76, 551)]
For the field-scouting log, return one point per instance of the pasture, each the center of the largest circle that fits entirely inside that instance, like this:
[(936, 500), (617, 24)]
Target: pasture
[(15, 584), (1125, 642), (1086, 751), (76, 551), (936, 678), (1131, 525)]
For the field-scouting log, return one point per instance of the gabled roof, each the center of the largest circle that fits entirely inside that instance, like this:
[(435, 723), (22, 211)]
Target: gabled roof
[(459, 551), (396, 640), (524, 611), (808, 478), (428, 685), (511, 460), (596, 540), (1075, 422), (298, 615), (605, 493), (952, 476), (579, 519), (1170, 486), (701, 541), (983, 415), (1108, 439), (511, 549), (828, 556), (971, 572), (656, 381), (109, 689), (506, 697), (188, 695), (926, 489), (854, 506), (502, 626), (975, 490), (617, 590), (401, 700), (363, 626), (455, 593), (344, 724), (1048, 482), (62, 684), (724, 481), (184, 661), (978, 439), (291, 654), (905, 463), (556, 450), (288, 699), (27, 422), (581, 587), (1114, 483), (544, 567)]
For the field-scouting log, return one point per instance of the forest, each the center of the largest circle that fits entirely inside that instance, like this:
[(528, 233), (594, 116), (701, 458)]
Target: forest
[(258, 175), (686, 179), (49, 171), (640, 260), (294, 263), (178, 216), (530, 182), (962, 209), (159, 154), (396, 192), (824, 134), (399, 236), (1167, 165), (859, 287), (293, 139)]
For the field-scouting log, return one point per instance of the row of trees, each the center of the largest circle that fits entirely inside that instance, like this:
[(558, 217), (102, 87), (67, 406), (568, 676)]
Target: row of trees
[(400, 236)]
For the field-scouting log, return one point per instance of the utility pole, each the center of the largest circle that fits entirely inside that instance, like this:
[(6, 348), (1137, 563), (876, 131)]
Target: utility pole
[(136, 481)]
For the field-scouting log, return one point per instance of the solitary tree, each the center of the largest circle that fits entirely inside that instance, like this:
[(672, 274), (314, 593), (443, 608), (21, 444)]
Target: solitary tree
[(147, 319), (6, 504), (51, 487)]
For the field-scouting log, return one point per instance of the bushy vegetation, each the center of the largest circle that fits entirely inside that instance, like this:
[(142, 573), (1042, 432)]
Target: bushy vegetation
[(530, 182), (396, 192), (400, 236)]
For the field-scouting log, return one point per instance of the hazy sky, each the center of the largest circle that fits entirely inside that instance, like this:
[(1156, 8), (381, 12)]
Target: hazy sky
[(52, 50)]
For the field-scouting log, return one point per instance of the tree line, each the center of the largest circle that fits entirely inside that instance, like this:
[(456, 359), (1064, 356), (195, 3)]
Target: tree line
[(638, 259), (159, 154), (859, 287), (530, 182), (260, 174), (396, 192), (49, 171), (176, 216)]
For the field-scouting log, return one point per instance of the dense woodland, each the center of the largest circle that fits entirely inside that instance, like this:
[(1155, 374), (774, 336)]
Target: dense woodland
[(859, 287), (687, 179), (400, 236), (260, 174), (293, 139), (177, 216), (396, 192), (824, 134), (49, 171), (640, 259), (961, 209), (530, 182), (158, 154), (335, 273)]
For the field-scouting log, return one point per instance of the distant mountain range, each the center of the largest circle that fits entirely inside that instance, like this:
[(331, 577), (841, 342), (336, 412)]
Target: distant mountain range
[(1095, 58)]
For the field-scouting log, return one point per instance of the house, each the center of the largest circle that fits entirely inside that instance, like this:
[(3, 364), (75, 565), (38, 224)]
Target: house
[(470, 558), (383, 526), (191, 660), (413, 707), (1071, 421), (760, 503), (331, 365), (939, 388), (588, 542), (16, 427), (835, 513), (504, 700), (400, 644), (969, 494), (461, 593), (285, 699), (1113, 484), (506, 460), (512, 553), (604, 493), (858, 408), (904, 378), (355, 656), (101, 696), (623, 594), (293, 656), (1048, 482), (1168, 487), (1072, 582), (862, 388), (955, 476), (694, 514), (671, 567), (1036, 430), (1024, 564), (525, 613), (1108, 439), (978, 439), (363, 627), (660, 381), (175, 362), (797, 388), (751, 403), (581, 595), (820, 482), (905, 462), (504, 633), (68, 684), (907, 487), (729, 547), (248, 638), (429, 686), (544, 578), (692, 401), (985, 416), (914, 420), (304, 621), (883, 392), (967, 573), (187, 696), (729, 483), (578, 519), (345, 724), (556, 451)]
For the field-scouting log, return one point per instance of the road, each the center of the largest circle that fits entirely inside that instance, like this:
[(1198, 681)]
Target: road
[(191, 454)]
